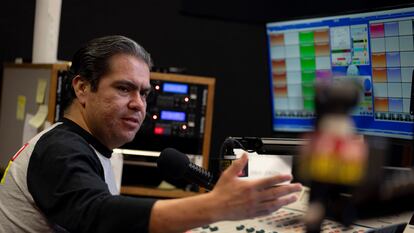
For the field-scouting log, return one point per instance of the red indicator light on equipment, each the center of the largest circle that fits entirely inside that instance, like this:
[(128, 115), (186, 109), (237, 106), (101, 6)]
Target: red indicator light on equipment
[(184, 127), (158, 130), (186, 99), (154, 117), (157, 87)]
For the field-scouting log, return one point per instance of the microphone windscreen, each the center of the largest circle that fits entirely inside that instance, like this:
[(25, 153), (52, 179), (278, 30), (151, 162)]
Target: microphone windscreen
[(173, 163)]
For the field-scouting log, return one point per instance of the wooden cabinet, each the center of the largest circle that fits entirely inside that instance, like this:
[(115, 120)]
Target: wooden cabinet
[(210, 83)]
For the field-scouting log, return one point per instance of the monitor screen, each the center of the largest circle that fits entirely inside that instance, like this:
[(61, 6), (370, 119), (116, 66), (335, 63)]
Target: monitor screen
[(374, 48)]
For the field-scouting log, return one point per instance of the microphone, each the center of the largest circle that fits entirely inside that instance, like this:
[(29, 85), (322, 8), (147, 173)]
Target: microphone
[(174, 164)]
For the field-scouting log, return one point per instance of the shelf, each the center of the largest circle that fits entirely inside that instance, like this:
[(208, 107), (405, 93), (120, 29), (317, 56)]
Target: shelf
[(155, 192)]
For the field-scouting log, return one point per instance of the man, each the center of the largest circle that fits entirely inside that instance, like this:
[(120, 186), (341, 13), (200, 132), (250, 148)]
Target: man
[(61, 180)]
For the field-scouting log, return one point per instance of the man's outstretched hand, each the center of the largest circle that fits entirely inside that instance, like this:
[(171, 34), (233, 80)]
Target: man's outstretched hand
[(240, 199)]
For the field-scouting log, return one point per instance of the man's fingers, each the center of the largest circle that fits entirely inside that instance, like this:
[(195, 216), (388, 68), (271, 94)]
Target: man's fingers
[(237, 166), (271, 206), (279, 191), (267, 182)]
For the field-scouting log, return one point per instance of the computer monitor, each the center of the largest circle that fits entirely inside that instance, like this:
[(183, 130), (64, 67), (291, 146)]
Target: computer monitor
[(374, 48)]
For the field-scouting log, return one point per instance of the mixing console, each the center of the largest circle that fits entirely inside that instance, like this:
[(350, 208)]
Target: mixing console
[(282, 221)]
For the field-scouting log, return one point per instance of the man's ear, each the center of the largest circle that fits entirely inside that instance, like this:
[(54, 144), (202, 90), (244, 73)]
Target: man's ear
[(81, 88)]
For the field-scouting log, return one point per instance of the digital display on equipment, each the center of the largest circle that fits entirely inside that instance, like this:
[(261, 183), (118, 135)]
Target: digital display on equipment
[(374, 48), (172, 115), (175, 88)]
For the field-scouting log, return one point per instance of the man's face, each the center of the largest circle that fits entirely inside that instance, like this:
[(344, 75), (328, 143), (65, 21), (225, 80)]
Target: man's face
[(115, 112)]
